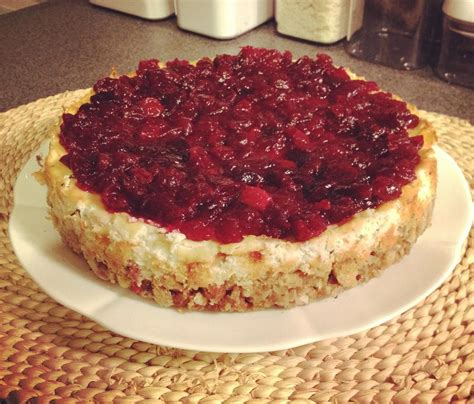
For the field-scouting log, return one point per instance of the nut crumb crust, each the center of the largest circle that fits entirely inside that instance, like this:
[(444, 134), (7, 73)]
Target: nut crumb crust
[(256, 273)]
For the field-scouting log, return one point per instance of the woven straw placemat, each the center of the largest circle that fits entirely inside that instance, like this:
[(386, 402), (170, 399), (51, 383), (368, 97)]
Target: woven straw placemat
[(48, 352)]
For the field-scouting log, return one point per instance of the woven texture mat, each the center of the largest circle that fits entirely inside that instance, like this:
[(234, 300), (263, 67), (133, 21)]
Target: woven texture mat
[(48, 352)]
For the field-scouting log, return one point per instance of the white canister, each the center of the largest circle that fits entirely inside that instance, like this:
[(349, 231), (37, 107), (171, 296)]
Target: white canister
[(149, 9), (222, 19), (324, 21)]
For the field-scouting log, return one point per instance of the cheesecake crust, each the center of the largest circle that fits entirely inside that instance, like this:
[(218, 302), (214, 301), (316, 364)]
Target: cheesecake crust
[(258, 272)]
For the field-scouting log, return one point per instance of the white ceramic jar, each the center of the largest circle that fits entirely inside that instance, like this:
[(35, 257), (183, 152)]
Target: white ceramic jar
[(324, 21), (222, 19), (148, 9)]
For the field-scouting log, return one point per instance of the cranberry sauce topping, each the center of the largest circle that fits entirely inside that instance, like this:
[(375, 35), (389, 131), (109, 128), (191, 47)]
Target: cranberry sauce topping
[(247, 144)]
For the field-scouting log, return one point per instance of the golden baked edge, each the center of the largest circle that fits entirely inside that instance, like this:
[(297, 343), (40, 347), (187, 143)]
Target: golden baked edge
[(256, 273)]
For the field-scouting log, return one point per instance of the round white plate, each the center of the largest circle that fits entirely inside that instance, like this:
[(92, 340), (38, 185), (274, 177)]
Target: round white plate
[(66, 278)]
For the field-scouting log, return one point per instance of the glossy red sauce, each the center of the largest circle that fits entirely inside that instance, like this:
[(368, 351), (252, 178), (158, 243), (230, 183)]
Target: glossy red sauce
[(253, 143)]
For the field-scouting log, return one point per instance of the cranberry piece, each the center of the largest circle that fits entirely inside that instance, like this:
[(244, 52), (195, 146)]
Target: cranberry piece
[(200, 158), (250, 221), (386, 188), (150, 131), (151, 107), (255, 197), (322, 205), (114, 199), (300, 140), (197, 230), (306, 229), (228, 230), (247, 144), (145, 65)]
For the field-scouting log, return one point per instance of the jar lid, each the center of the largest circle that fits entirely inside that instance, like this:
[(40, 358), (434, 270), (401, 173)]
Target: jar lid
[(462, 10)]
